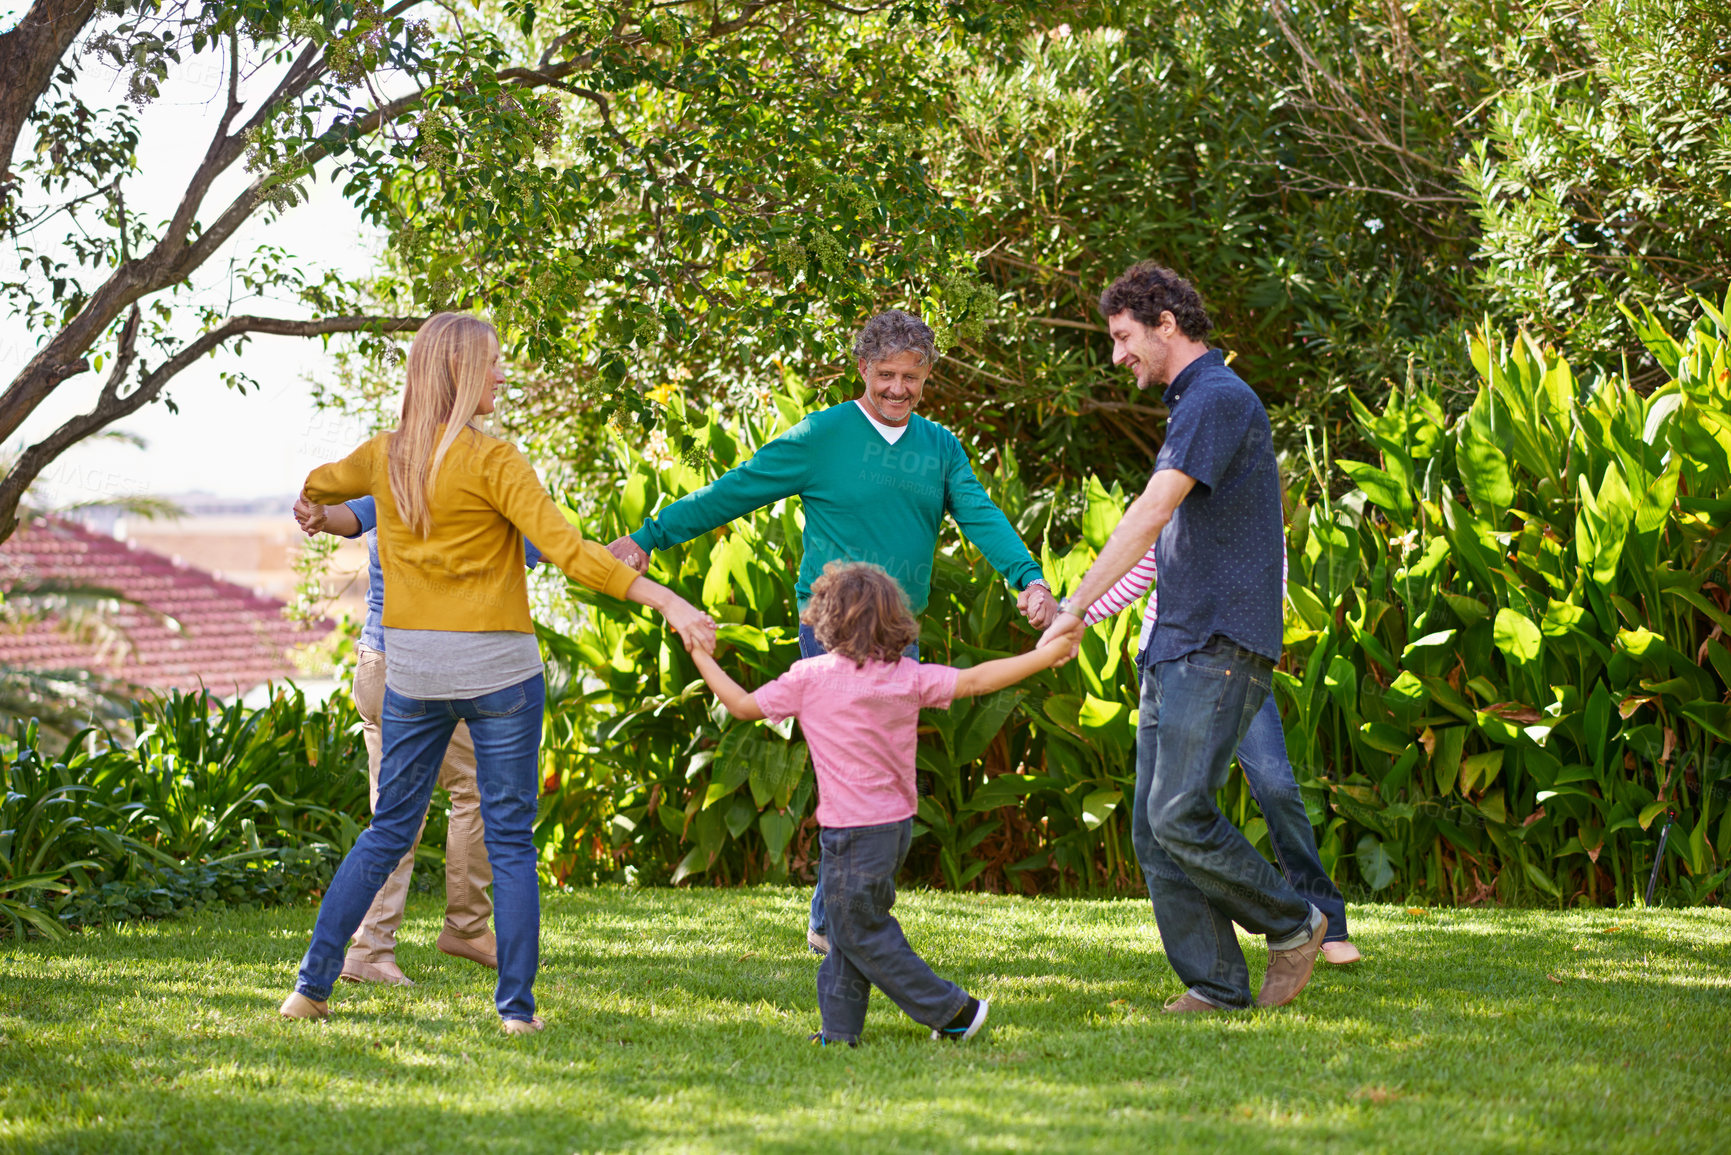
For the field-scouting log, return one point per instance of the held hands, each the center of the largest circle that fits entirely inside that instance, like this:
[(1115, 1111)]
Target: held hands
[(694, 627), (1059, 650), (1065, 627), (309, 516), (1037, 604), (629, 552)]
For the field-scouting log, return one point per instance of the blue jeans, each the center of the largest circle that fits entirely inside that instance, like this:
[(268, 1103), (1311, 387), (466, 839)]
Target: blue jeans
[(506, 728), (1268, 773), (810, 647), (1202, 874), (866, 945)]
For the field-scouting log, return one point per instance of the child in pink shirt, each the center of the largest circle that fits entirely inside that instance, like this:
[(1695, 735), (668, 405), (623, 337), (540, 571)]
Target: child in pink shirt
[(859, 707)]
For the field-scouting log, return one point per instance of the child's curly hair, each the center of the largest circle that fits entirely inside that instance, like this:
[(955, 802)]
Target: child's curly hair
[(857, 610)]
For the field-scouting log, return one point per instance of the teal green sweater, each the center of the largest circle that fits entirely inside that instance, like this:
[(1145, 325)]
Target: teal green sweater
[(865, 500)]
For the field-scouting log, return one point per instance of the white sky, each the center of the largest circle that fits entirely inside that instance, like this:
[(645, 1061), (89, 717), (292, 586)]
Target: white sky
[(221, 442)]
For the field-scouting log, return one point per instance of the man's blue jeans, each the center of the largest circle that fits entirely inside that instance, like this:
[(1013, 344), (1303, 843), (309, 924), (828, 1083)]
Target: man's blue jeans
[(1202, 874), (810, 647), (506, 728), (1268, 773), (866, 945)]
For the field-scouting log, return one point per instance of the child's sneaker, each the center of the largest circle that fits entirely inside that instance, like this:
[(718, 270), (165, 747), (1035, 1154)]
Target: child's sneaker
[(966, 1024), (822, 1040)]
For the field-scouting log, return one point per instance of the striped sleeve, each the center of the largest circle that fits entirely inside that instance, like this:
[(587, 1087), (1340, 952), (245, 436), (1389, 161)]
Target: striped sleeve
[(1125, 591)]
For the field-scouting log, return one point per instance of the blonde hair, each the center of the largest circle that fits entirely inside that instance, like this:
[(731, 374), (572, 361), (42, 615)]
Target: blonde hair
[(858, 610), (450, 367)]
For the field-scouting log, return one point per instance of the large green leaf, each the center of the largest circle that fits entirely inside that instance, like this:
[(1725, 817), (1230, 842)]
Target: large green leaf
[(1098, 806), (1386, 491), (983, 721), (777, 829), (1374, 865), (1482, 459), (1102, 513), (1517, 637)]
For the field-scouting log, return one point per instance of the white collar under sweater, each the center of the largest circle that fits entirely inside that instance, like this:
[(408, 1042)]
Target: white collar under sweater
[(891, 433)]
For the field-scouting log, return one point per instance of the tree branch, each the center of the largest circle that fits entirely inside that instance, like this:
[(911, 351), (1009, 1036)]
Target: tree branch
[(29, 53), (111, 406)]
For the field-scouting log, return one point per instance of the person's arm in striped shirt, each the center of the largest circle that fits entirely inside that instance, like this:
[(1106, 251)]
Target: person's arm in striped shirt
[(1135, 583), (1125, 591)]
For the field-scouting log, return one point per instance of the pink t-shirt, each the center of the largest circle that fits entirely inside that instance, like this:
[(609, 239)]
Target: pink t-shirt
[(862, 725)]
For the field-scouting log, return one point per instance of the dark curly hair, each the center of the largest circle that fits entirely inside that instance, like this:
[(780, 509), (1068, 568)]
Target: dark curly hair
[(1146, 290), (857, 610)]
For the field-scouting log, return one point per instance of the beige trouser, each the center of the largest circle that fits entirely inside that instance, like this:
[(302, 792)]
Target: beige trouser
[(467, 872)]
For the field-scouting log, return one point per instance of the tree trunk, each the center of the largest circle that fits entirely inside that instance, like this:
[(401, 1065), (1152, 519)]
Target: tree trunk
[(29, 55)]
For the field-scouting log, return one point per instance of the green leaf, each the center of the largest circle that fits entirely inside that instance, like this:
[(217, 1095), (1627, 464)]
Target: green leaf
[(1382, 489), (1374, 865), (1516, 635), (740, 816), (1445, 757), (982, 724), (1098, 806), (776, 771), (777, 829), (1381, 736), (1483, 462), (1540, 879), (1103, 512), (1480, 770), (1005, 790)]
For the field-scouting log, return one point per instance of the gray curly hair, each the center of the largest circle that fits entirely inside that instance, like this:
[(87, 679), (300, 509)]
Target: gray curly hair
[(894, 332)]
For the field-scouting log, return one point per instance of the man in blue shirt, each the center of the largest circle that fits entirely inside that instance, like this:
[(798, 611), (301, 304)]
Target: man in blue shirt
[(1212, 513), (372, 956)]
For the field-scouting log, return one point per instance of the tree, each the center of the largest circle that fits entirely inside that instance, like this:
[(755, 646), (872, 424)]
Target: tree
[(1608, 187), (604, 179), (1329, 254)]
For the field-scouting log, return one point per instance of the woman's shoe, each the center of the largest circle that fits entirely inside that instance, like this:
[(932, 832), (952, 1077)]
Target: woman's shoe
[(1340, 953), (521, 1026), (298, 1006)]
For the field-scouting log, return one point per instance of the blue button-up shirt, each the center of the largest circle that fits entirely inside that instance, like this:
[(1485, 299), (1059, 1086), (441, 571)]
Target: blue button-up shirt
[(373, 628), (1219, 557)]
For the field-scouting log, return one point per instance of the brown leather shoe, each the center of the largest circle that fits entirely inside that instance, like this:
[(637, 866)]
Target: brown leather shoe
[(1289, 970), (483, 949), (1340, 953), (298, 1006), (379, 971), (1187, 1003)]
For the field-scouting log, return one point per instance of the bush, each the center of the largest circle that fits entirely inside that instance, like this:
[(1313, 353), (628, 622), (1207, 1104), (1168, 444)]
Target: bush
[(1503, 664), (208, 803), (1505, 646)]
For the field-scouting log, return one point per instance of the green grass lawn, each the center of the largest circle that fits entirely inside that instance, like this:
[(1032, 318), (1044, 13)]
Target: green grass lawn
[(677, 1020)]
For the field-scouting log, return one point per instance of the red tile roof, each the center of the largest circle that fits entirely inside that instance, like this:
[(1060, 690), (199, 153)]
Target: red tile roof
[(229, 638)]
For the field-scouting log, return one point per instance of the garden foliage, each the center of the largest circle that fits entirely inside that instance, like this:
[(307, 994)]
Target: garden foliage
[(1505, 666), (209, 802)]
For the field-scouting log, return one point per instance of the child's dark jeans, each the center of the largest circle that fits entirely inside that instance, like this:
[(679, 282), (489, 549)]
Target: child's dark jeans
[(866, 945)]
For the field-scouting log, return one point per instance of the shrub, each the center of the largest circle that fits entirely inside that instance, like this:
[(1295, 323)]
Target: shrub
[(210, 802), (1504, 663)]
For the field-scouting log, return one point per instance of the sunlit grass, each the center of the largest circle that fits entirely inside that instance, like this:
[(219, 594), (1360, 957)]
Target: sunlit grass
[(678, 1020)]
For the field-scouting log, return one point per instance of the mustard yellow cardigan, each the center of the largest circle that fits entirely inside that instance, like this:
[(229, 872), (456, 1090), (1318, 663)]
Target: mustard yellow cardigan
[(468, 573)]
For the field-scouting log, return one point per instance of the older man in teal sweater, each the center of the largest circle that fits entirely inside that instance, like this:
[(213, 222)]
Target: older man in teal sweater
[(875, 479)]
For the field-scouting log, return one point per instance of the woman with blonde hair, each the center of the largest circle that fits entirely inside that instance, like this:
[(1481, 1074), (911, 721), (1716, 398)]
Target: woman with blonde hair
[(454, 505)]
